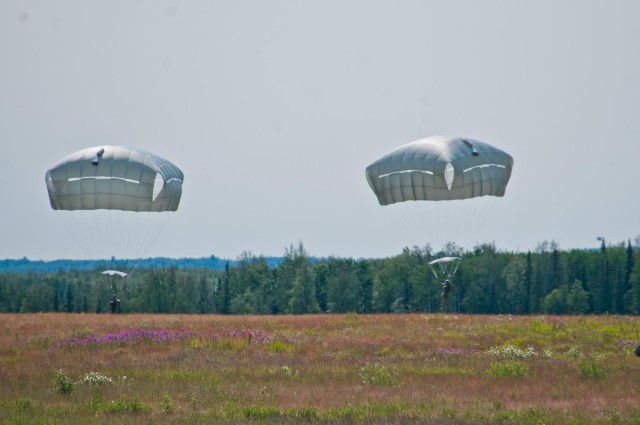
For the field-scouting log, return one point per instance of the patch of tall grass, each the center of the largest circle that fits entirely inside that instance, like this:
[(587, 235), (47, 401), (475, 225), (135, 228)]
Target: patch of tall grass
[(124, 405), (280, 347), (589, 369), (379, 374), (508, 369)]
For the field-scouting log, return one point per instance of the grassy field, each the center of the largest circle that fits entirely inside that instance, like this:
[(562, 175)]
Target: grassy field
[(337, 369)]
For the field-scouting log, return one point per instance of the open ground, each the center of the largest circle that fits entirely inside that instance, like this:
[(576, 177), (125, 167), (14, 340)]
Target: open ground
[(418, 368)]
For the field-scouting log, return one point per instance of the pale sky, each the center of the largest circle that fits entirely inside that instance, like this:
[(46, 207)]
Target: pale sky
[(273, 109)]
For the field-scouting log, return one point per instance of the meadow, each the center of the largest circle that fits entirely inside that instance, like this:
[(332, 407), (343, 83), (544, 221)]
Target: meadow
[(333, 369)]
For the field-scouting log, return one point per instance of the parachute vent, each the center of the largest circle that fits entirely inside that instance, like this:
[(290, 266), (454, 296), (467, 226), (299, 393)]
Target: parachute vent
[(449, 174), (158, 184), (96, 160), (474, 151)]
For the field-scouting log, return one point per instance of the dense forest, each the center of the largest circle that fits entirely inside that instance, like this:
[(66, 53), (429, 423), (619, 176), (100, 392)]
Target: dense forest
[(547, 280)]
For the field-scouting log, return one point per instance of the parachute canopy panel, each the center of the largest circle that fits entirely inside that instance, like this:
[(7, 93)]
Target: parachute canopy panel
[(440, 168), (114, 178)]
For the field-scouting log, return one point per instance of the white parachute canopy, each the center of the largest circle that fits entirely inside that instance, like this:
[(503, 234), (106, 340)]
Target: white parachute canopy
[(450, 178), (114, 200), (114, 178), (444, 260), (113, 286), (114, 273), (440, 168), (445, 267)]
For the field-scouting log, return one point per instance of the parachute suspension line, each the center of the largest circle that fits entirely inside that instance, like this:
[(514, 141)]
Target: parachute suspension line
[(85, 235), (461, 222), (108, 277), (79, 238), (438, 223), (121, 235), (398, 215), (156, 226), (471, 220), (434, 272)]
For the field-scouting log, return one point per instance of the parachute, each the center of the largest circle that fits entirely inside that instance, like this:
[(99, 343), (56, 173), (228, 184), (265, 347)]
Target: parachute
[(114, 178), (444, 268), (111, 198), (441, 169), (114, 287)]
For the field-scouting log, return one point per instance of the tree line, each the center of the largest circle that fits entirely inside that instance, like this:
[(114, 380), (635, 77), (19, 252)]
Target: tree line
[(547, 280)]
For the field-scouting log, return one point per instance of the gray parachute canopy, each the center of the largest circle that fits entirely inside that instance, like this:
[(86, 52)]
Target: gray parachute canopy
[(114, 178), (440, 168)]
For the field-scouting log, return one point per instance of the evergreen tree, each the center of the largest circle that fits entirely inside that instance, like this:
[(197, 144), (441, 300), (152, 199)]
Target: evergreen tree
[(634, 302), (226, 296), (321, 271), (531, 306), (514, 276), (627, 287), (205, 296), (56, 301), (68, 299), (366, 288), (557, 276), (599, 291), (544, 268)]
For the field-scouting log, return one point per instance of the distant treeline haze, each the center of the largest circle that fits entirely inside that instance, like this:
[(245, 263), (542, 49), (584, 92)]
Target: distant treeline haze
[(547, 280)]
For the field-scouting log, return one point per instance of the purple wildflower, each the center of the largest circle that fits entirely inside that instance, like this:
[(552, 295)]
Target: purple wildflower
[(128, 337)]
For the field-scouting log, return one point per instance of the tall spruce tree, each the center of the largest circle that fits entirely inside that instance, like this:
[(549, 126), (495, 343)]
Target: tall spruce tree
[(226, 285), (528, 283), (627, 287)]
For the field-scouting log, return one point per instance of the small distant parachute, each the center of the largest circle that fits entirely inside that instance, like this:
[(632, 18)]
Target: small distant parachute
[(440, 168), (112, 286), (445, 267), (114, 178), (114, 273)]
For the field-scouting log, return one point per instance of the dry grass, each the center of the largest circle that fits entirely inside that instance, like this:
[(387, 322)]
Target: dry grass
[(323, 369)]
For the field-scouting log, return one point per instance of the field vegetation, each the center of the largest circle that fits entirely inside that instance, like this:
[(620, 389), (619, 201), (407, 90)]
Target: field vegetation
[(58, 368)]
